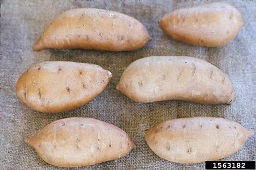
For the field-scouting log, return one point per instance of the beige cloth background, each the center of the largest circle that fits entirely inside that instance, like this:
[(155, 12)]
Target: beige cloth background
[(21, 25)]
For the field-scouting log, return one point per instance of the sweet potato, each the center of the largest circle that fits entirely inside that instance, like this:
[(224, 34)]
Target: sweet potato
[(90, 28), (74, 142), (210, 25), (198, 139), (57, 86), (161, 78)]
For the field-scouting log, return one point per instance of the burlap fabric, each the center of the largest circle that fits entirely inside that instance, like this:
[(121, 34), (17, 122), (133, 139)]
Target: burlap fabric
[(21, 25)]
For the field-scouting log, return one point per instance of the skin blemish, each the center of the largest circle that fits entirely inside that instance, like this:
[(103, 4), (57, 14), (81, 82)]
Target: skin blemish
[(39, 68), (201, 126), (25, 94), (80, 72), (179, 75), (189, 150), (223, 80), (234, 127), (194, 69), (201, 41), (77, 146), (63, 124), (217, 127), (168, 126), (168, 148), (84, 86), (59, 70), (39, 93), (163, 76), (140, 83), (68, 89), (110, 145), (217, 148), (184, 126), (211, 74)]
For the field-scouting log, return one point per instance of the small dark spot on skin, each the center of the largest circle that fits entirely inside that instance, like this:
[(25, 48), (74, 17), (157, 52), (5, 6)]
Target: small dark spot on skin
[(98, 148), (163, 76), (217, 148), (201, 41), (183, 126), (234, 127), (84, 86), (223, 80), (189, 150), (180, 73), (168, 126), (110, 145), (59, 69), (80, 72), (168, 148), (140, 83), (63, 124), (82, 124), (39, 93), (211, 74), (194, 69), (77, 146), (68, 89), (217, 126), (201, 126), (186, 62), (39, 68), (25, 94), (98, 139), (54, 146)]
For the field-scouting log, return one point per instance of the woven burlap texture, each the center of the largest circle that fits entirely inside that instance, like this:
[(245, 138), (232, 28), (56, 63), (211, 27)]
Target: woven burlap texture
[(22, 22)]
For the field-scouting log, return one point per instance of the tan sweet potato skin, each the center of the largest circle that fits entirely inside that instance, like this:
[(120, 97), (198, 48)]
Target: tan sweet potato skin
[(210, 25), (57, 86), (91, 28), (198, 139), (74, 142), (160, 78)]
